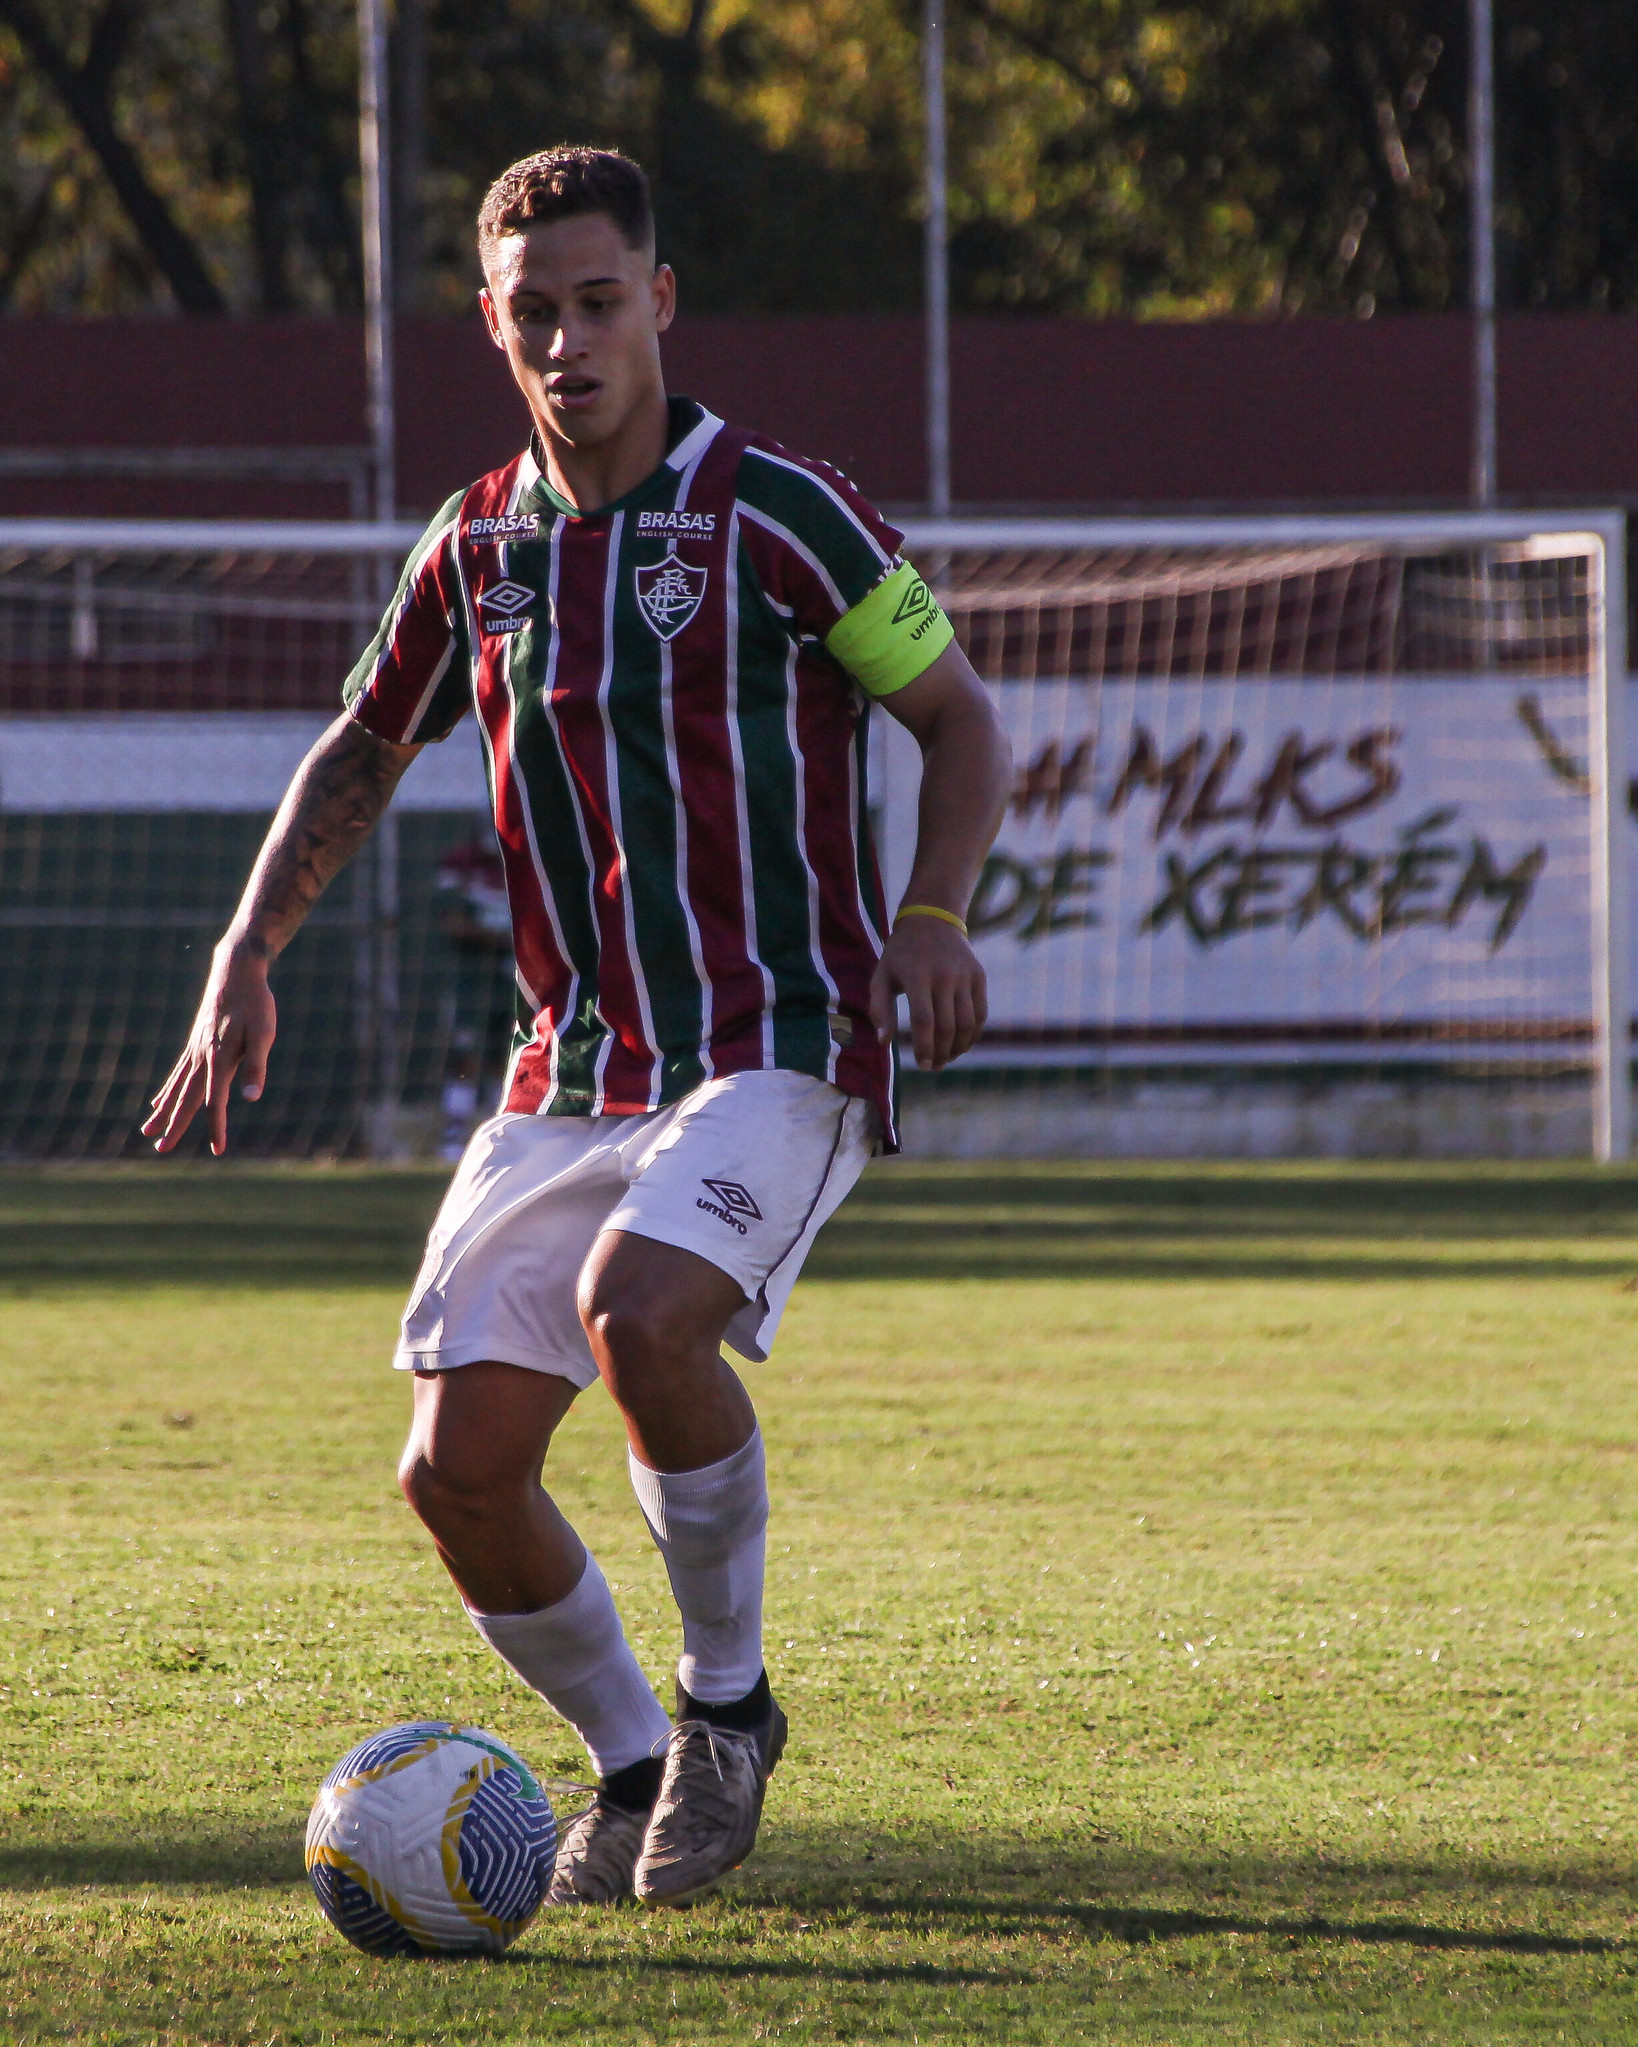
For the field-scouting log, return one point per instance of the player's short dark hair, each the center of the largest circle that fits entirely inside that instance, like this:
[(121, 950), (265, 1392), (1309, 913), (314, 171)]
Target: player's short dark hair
[(557, 184)]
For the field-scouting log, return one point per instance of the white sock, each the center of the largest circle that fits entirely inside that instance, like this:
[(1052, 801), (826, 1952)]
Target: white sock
[(576, 1656), (711, 1528)]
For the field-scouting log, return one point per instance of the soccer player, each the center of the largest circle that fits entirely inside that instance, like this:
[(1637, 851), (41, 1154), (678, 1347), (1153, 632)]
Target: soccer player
[(671, 631)]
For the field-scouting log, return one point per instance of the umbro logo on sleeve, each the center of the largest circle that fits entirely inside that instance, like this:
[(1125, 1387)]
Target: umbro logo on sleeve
[(504, 606)]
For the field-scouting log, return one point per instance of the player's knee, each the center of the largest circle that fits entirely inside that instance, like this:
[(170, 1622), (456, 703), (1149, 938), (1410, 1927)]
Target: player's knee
[(632, 1336), (418, 1482), (618, 1320), (640, 1340), (445, 1491)]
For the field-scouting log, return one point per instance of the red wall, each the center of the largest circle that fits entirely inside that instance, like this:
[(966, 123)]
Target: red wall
[(1045, 411)]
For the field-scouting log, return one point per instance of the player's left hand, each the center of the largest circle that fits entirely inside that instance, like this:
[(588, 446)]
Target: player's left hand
[(931, 964)]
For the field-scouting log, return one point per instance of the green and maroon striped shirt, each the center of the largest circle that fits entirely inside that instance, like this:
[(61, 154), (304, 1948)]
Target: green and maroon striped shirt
[(677, 762)]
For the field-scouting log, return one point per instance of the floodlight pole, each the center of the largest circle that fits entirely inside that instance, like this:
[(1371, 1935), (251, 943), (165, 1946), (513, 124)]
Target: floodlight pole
[(1481, 144), (1612, 998), (936, 265), (375, 169)]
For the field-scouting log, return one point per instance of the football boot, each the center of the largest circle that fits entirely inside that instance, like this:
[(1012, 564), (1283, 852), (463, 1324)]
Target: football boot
[(710, 1804), (597, 1856)]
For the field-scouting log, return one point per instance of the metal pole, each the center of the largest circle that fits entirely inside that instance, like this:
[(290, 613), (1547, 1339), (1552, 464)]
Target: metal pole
[(375, 170), (388, 1033), (936, 257), (1612, 1002), (1481, 131)]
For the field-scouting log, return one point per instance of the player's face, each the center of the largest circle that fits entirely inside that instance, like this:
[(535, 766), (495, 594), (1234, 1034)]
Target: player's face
[(580, 315)]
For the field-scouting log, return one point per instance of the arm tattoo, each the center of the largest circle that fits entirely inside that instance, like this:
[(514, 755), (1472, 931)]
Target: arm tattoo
[(329, 810)]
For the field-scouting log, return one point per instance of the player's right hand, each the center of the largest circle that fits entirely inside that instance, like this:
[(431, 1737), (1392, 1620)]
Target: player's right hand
[(234, 1029)]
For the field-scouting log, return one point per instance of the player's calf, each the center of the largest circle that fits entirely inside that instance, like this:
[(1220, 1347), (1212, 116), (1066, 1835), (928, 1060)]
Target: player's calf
[(471, 1471), (529, 1587), (710, 1526), (654, 1316)]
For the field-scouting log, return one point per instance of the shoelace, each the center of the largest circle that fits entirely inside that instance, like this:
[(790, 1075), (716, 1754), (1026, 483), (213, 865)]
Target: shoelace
[(716, 1737), (579, 1835), (713, 1734), (580, 1827)]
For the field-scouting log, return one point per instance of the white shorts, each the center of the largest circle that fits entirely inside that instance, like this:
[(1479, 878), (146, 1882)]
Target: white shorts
[(744, 1171)]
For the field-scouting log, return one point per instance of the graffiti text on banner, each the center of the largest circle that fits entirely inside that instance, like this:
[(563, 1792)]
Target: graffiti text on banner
[(1380, 853)]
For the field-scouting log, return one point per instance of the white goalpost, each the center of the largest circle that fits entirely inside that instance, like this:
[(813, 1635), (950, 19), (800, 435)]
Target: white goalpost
[(1333, 805)]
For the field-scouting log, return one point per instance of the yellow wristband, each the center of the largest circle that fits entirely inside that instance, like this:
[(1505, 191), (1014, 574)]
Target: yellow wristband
[(932, 910)]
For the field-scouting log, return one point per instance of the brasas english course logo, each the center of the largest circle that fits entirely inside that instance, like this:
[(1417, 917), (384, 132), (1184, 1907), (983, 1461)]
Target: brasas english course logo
[(495, 532)]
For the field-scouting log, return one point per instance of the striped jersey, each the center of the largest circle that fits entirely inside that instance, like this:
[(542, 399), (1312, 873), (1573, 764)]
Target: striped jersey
[(676, 759)]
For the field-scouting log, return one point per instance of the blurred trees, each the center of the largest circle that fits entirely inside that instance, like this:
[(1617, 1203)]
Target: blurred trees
[(1108, 156)]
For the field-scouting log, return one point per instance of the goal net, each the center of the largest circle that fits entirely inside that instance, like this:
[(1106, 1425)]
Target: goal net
[(1316, 842), (158, 685), (1316, 837)]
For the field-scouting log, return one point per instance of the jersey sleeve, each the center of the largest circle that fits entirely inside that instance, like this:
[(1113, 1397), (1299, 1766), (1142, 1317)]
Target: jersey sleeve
[(410, 683), (829, 563)]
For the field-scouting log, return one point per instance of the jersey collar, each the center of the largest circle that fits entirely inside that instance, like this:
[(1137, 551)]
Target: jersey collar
[(690, 430)]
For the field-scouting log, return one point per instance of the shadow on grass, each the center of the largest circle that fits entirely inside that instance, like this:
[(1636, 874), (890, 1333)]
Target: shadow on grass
[(188, 1225), (957, 1888), (270, 1226), (1113, 1221), (247, 1858), (858, 1250), (1142, 1926)]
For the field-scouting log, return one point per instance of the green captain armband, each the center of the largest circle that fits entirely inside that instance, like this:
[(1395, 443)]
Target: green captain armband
[(891, 636)]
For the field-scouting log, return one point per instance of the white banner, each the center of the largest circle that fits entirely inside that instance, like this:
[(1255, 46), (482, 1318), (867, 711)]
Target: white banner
[(220, 761), (1381, 863), (1375, 861)]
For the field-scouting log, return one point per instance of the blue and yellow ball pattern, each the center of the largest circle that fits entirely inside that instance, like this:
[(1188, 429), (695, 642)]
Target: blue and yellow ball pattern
[(431, 1839)]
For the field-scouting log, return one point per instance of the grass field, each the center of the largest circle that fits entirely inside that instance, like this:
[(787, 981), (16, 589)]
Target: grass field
[(1204, 1599)]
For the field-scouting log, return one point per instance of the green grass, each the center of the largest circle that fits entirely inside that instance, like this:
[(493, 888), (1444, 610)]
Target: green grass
[(1204, 1600)]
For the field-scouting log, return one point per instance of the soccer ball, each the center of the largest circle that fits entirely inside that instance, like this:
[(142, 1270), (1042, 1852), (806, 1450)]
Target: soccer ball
[(430, 1839)]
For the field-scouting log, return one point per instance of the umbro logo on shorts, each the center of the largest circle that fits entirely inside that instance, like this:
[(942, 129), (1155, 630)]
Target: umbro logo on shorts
[(504, 606), (736, 1202)]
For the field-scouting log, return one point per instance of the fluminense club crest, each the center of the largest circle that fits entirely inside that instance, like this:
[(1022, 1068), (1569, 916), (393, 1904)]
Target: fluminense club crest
[(669, 593)]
